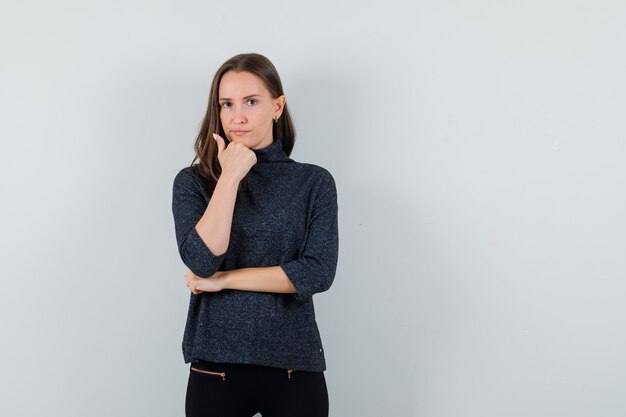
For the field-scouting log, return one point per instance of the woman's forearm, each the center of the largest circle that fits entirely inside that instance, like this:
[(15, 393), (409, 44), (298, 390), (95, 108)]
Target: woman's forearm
[(264, 279), (261, 279), (214, 225)]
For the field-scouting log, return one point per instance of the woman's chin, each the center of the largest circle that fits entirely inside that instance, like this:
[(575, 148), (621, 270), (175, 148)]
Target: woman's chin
[(243, 141), (237, 140)]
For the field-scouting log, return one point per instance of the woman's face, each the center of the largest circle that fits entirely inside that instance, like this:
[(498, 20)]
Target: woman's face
[(247, 109)]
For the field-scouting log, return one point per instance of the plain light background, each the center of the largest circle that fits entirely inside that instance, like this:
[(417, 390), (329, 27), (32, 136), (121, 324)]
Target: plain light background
[(478, 149)]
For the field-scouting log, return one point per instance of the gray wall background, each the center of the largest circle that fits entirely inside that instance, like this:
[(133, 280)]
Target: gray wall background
[(478, 149)]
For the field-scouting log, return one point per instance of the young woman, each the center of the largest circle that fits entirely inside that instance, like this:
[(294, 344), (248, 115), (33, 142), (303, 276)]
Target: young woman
[(259, 234)]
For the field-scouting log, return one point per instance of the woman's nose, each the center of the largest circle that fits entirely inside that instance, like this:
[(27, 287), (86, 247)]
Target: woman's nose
[(239, 116)]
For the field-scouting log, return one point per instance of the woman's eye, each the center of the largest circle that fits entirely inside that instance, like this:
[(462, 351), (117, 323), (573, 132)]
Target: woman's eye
[(227, 104)]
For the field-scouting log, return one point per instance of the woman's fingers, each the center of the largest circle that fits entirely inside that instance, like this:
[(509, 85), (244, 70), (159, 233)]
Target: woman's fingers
[(213, 283), (194, 289), (191, 282), (221, 144), (236, 159)]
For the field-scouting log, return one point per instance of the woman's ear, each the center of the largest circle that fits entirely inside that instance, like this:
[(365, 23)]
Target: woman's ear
[(280, 103)]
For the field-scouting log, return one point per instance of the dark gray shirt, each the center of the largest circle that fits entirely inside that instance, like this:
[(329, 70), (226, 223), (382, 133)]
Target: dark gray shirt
[(285, 214)]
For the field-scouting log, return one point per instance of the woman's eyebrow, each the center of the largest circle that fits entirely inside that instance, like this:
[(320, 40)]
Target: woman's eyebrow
[(251, 95)]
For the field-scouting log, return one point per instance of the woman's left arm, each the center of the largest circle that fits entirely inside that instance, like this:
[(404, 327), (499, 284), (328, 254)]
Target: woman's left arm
[(262, 279)]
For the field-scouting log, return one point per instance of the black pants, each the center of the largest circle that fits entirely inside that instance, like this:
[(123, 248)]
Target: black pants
[(241, 390)]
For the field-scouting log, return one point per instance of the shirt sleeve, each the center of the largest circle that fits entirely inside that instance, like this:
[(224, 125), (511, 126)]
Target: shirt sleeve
[(188, 206), (314, 271)]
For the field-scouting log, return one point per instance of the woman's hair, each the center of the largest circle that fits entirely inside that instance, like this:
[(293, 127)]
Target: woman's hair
[(205, 146)]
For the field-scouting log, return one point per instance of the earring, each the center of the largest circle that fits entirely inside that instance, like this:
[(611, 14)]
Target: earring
[(276, 119)]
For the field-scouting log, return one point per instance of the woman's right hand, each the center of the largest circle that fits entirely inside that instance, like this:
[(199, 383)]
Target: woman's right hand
[(235, 159)]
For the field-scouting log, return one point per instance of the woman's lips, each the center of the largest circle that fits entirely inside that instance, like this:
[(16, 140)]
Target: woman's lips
[(239, 132)]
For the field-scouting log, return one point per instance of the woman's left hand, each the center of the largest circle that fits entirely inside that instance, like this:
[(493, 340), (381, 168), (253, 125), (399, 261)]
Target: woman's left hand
[(197, 285)]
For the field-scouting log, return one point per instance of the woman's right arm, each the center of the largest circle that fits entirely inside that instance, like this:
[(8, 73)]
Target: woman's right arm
[(214, 225), (203, 231)]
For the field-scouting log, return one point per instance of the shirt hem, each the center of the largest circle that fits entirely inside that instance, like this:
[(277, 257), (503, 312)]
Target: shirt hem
[(283, 361)]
